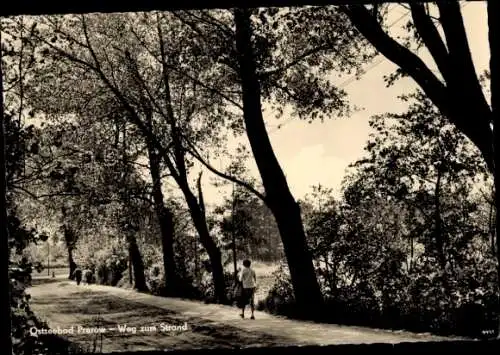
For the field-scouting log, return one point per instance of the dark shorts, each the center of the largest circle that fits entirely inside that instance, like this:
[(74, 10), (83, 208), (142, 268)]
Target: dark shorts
[(247, 295)]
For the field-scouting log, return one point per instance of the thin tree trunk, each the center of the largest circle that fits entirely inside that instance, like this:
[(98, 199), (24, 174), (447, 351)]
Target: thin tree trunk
[(207, 242), (278, 197), (412, 253), (130, 270), (165, 220), (334, 279), (233, 233), (69, 239), (137, 264), (196, 263), (438, 230), (211, 247)]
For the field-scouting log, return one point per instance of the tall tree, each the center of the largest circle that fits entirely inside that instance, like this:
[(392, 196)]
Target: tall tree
[(165, 220), (278, 196), (135, 85), (267, 55)]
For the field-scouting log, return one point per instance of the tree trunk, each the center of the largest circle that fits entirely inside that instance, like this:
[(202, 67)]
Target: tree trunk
[(278, 197), (4, 234), (235, 264), (233, 234), (137, 264), (196, 263), (412, 252), (69, 239), (173, 284), (438, 230), (165, 219), (71, 263), (207, 242), (197, 212), (130, 271)]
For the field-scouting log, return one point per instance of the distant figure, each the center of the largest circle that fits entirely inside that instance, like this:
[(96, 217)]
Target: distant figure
[(87, 276), (248, 280), (78, 275), (53, 274)]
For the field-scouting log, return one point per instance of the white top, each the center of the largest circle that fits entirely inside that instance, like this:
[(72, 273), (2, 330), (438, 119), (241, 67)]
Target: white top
[(248, 277)]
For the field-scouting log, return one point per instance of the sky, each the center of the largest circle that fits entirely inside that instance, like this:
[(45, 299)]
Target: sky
[(320, 152)]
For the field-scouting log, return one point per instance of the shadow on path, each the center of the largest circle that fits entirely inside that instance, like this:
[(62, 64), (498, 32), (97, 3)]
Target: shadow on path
[(148, 318), (67, 307)]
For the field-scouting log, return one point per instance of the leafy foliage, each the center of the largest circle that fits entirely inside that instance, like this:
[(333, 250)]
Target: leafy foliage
[(376, 251)]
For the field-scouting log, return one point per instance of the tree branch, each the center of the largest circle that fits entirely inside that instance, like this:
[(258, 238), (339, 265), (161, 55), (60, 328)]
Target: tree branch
[(133, 114), (300, 58), (89, 45), (193, 151), (35, 196), (430, 35), (190, 77), (211, 21), (401, 56)]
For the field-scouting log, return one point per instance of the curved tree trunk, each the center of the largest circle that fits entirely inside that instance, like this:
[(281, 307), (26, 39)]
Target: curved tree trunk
[(278, 197), (199, 220), (179, 171)]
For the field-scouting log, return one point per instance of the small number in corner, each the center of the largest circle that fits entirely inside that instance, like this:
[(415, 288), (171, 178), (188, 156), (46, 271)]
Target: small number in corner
[(488, 332)]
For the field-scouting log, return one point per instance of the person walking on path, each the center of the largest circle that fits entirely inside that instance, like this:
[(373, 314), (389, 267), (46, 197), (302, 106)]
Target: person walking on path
[(78, 275), (87, 276), (248, 280)]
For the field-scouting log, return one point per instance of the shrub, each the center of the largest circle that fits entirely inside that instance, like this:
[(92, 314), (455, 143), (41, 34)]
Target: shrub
[(418, 303), (155, 279), (280, 299), (207, 289)]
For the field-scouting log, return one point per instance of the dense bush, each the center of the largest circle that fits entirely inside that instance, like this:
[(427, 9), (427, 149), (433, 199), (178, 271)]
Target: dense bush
[(417, 303), (155, 278), (23, 318), (108, 262), (207, 290), (280, 299)]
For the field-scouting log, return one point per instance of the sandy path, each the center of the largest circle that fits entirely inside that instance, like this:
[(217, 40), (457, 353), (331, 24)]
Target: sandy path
[(65, 305)]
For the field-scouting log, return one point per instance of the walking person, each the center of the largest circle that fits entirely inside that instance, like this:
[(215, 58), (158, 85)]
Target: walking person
[(87, 276), (77, 275), (248, 280)]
